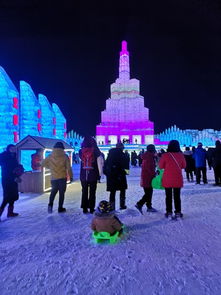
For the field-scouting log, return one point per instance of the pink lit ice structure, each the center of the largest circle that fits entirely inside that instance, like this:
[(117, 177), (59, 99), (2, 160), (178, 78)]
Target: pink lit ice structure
[(125, 117)]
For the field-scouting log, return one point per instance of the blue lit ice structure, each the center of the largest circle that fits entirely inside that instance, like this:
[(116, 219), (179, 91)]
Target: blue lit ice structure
[(30, 111), (74, 140), (190, 137), (61, 127), (9, 111), (47, 117)]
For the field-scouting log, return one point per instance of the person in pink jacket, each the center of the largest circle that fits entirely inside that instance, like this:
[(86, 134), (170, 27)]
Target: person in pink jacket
[(173, 162)]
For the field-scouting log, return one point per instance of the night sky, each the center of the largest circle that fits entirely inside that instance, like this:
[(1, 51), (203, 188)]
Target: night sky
[(70, 53)]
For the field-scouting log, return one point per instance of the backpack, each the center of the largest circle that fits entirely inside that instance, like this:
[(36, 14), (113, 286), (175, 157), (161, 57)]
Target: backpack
[(87, 158)]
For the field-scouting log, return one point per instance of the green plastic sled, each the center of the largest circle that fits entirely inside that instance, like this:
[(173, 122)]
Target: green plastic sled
[(103, 236)]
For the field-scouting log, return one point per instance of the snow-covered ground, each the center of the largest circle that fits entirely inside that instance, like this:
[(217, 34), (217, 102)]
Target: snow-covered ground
[(54, 254)]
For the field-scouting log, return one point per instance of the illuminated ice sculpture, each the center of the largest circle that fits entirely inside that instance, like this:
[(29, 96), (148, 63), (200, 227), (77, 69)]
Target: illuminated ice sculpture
[(125, 117), (48, 120), (22, 114), (30, 109), (60, 122), (9, 110)]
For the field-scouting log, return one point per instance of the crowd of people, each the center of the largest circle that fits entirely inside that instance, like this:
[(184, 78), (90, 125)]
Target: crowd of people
[(115, 167)]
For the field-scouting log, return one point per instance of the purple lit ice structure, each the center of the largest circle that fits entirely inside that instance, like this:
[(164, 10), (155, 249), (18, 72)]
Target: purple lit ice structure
[(125, 117)]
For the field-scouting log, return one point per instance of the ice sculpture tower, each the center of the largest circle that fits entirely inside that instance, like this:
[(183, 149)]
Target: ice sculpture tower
[(48, 117), (125, 117), (30, 110), (60, 122), (9, 111)]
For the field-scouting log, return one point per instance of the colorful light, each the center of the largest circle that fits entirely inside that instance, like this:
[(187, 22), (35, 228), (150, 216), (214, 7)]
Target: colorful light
[(9, 111), (125, 117), (60, 122), (47, 117), (29, 106), (23, 114)]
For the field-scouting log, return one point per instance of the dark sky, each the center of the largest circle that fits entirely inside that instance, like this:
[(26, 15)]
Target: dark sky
[(69, 52)]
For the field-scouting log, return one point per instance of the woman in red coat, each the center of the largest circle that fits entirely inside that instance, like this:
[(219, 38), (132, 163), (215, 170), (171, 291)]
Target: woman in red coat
[(147, 174), (173, 162)]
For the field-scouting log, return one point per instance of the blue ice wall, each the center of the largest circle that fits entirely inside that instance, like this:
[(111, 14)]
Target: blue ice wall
[(9, 111), (47, 117), (30, 112), (190, 137), (75, 140), (60, 122)]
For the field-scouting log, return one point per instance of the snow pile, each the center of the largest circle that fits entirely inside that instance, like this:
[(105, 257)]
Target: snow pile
[(54, 254)]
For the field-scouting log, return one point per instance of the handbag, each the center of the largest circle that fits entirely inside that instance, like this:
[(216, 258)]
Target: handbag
[(157, 180)]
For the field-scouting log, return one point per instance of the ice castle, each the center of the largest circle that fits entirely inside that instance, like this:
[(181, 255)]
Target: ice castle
[(22, 113), (125, 118)]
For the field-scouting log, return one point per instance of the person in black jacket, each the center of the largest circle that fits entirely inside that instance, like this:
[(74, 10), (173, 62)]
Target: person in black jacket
[(11, 171), (114, 169), (216, 162), (190, 163), (89, 173)]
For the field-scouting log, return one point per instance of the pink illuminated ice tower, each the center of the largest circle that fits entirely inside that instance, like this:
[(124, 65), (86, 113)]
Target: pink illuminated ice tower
[(125, 117)]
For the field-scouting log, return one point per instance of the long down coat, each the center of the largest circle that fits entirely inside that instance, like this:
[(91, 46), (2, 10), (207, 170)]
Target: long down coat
[(9, 163), (148, 169), (114, 169), (172, 176)]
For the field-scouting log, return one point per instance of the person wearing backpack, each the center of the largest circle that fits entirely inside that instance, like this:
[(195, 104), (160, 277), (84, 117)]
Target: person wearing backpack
[(89, 173), (173, 162), (115, 170)]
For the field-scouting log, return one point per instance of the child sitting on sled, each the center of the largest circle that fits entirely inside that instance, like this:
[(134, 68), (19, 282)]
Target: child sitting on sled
[(105, 220)]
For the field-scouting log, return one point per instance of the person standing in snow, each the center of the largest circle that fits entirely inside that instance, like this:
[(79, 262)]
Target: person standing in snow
[(89, 173), (115, 167), (216, 162), (173, 162), (11, 170), (147, 174), (59, 165), (200, 157), (190, 164)]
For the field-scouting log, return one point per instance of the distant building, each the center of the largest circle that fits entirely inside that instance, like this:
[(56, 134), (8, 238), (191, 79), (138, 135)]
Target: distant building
[(125, 118)]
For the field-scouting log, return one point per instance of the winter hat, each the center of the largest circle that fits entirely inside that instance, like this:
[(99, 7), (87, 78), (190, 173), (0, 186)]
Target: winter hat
[(59, 145), (104, 207), (9, 146), (120, 145)]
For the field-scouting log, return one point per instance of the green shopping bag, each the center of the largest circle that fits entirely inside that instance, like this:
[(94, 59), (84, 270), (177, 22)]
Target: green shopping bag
[(157, 180)]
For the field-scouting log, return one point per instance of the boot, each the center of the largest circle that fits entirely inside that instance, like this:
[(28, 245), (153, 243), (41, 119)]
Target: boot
[(49, 208), (122, 203), (61, 210), (113, 206), (139, 208), (10, 212)]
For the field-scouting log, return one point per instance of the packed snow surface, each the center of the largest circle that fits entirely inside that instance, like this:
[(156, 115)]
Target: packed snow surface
[(55, 254)]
